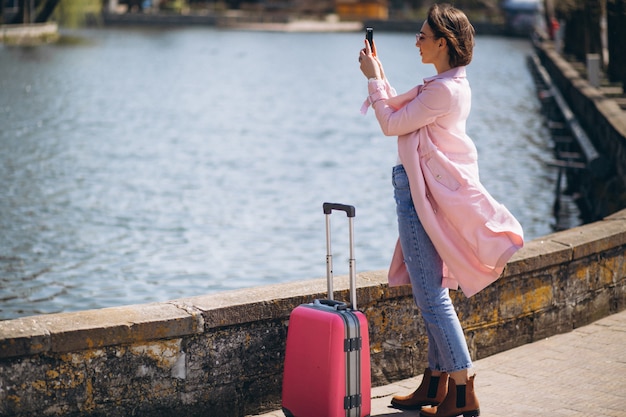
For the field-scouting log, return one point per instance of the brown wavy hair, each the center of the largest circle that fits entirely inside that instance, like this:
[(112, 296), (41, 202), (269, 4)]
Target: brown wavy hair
[(451, 24)]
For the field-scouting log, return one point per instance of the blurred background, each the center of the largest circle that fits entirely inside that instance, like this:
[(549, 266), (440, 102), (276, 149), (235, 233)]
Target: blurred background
[(158, 150)]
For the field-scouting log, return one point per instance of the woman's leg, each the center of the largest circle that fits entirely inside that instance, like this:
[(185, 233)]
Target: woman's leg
[(447, 347)]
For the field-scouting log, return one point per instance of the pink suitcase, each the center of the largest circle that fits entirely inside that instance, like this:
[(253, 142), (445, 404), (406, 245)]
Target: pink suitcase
[(327, 360)]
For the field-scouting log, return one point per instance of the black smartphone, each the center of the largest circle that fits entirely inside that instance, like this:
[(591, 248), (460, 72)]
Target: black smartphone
[(369, 35)]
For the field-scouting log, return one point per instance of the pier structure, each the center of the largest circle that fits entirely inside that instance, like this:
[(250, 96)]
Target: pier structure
[(588, 124)]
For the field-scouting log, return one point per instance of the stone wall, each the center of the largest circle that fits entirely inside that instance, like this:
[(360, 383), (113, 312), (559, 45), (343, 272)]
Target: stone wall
[(222, 354)]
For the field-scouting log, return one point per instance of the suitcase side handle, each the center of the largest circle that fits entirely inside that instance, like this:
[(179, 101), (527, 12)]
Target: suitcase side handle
[(329, 207), (350, 212)]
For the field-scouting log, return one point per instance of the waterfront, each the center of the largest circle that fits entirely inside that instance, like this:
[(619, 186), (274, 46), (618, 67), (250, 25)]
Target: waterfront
[(146, 165)]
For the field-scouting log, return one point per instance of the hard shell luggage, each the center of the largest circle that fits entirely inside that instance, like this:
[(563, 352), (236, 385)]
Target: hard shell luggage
[(327, 357)]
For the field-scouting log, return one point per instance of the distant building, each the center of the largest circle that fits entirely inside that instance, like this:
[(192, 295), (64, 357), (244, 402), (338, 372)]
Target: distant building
[(361, 10), (345, 9)]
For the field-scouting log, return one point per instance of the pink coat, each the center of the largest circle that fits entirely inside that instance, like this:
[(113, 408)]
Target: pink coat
[(473, 233)]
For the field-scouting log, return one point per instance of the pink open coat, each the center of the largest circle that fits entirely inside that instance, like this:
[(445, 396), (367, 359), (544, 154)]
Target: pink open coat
[(473, 233)]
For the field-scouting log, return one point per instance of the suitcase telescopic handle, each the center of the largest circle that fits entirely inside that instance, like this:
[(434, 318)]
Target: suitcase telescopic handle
[(329, 207), (350, 212)]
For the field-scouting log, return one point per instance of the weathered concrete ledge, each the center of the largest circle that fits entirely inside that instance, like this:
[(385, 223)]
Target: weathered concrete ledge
[(29, 34), (222, 354)]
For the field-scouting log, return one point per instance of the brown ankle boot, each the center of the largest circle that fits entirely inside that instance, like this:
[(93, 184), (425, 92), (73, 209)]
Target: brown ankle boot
[(461, 399), (431, 391)]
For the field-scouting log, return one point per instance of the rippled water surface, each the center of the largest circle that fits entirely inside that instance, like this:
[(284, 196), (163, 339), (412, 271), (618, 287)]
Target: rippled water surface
[(149, 165)]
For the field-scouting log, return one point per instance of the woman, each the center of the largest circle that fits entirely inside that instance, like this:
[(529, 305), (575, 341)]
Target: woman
[(451, 231)]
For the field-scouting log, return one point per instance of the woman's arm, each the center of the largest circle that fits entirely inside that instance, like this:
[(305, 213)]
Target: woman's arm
[(431, 101)]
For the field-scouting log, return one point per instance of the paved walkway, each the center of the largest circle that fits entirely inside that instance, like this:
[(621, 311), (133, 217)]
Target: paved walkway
[(581, 373)]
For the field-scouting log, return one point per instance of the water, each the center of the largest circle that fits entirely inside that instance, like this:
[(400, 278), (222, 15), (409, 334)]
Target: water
[(149, 165)]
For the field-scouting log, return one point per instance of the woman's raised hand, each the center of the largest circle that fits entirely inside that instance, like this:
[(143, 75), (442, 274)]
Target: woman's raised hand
[(371, 66)]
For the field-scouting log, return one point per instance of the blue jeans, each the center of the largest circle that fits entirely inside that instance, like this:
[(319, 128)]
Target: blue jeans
[(447, 347)]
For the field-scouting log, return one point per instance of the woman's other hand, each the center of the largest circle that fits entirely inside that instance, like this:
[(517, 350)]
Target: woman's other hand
[(370, 65)]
